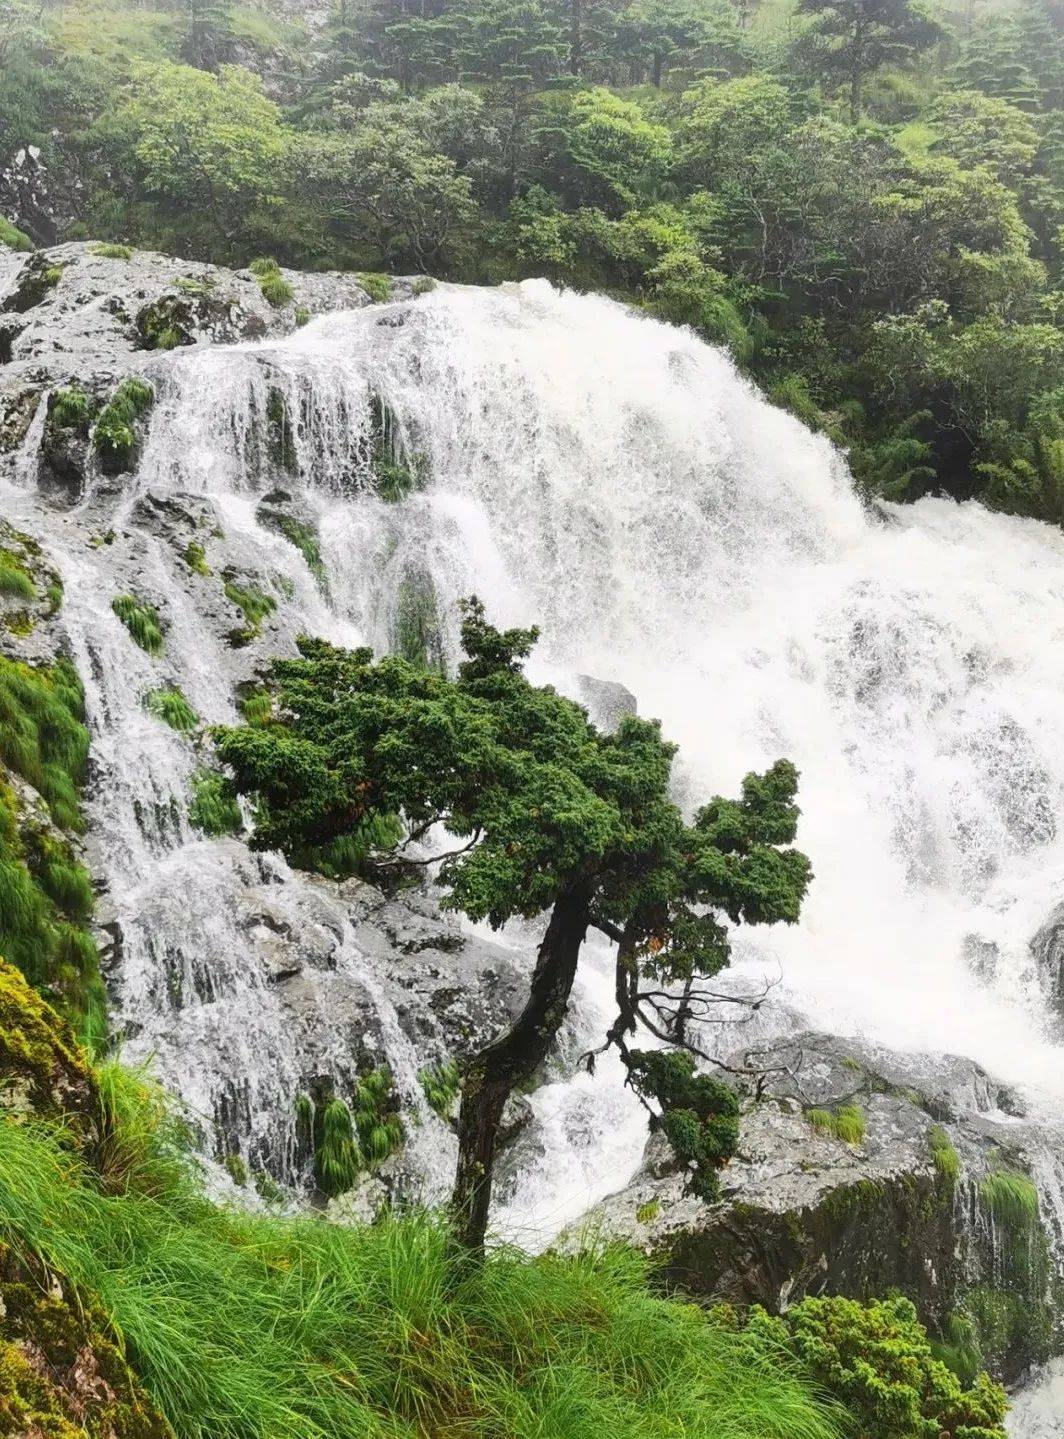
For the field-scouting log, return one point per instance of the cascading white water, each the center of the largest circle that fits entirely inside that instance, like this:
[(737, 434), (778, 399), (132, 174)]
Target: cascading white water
[(613, 480)]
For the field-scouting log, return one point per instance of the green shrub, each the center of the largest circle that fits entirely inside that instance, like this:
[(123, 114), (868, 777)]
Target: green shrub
[(112, 252), (70, 410), (171, 706), (378, 287), (114, 434), (699, 1114), (213, 807), (14, 238), (440, 1084), (423, 285), (141, 619), (337, 1160), (877, 1360), (243, 1326)]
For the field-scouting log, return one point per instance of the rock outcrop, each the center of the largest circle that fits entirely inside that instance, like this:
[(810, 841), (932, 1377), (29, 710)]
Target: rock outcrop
[(909, 1203)]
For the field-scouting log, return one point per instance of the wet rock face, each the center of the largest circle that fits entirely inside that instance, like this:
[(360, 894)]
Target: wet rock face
[(1047, 950), (804, 1212)]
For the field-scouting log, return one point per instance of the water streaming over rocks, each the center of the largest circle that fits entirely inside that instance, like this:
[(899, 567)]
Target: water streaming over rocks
[(613, 480)]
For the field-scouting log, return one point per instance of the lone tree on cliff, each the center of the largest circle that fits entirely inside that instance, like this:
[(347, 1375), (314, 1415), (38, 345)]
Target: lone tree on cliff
[(554, 817)]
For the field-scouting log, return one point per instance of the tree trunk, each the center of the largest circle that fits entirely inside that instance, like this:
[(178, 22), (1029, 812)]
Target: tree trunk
[(492, 1075), (659, 62)]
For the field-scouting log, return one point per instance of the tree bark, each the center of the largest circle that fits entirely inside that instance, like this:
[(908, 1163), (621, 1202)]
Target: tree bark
[(576, 36), (493, 1074)]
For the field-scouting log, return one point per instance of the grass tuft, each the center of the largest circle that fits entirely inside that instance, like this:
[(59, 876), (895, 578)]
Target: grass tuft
[(213, 807), (378, 287), (109, 251), (440, 1084), (141, 620), (171, 706), (947, 1160), (1010, 1198), (846, 1123)]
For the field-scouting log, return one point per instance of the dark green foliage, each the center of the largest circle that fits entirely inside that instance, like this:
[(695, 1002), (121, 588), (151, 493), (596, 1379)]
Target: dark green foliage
[(114, 435), (376, 1116), (395, 474), (141, 619), (878, 1361), (699, 1114), (171, 706), (213, 807), (337, 1160)]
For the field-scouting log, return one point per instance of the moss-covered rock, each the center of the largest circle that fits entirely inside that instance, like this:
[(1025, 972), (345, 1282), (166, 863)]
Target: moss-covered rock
[(43, 1070), (62, 1370)]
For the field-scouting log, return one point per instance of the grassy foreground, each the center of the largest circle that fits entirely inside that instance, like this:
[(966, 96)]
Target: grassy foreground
[(245, 1325)]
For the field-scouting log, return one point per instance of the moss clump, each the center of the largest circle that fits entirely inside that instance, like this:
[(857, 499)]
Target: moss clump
[(1010, 1331), (195, 556), (141, 619), (171, 706), (281, 438), (213, 807), (114, 435), (13, 237), (378, 287), (947, 1160), (423, 285), (302, 316), (440, 1084), (1010, 1198), (110, 251), (647, 1213), (846, 1123), (254, 604)]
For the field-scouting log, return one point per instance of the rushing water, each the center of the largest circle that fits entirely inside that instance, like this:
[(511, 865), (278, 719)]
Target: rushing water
[(614, 481)]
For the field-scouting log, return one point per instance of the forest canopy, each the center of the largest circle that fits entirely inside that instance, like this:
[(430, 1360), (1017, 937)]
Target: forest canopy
[(862, 199)]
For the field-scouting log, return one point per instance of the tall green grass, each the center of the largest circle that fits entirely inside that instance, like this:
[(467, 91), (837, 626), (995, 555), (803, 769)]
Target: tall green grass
[(247, 1327)]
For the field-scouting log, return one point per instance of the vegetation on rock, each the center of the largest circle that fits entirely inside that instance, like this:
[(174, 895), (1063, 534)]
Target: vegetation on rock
[(114, 433), (141, 619)]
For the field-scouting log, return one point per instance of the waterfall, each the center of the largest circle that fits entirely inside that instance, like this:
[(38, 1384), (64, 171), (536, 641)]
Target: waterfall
[(615, 481)]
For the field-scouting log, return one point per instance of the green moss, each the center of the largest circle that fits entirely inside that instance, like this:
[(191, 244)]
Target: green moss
[(281, 439), (54, 595), (202, 289), (423, 285), (171, 706), (647, 1213), (53, 274), (302, 316), (846, 1123), (141, 619), (378, 287), (195, 556), (43, 1070), (440, 1084), (112, 252), (20, 623), (254, 604), (14, 238), (416, 633), (947, 1160), (1009, 1330), (114, 435), (395, 475), (213, 807)]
